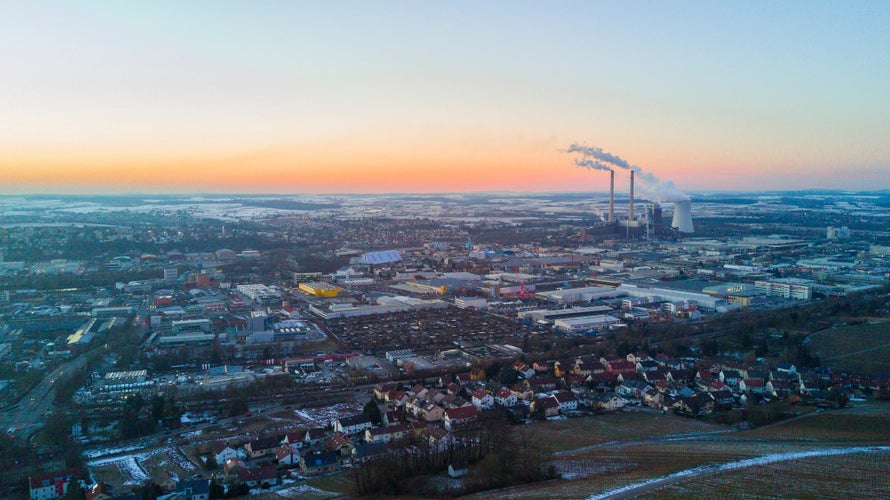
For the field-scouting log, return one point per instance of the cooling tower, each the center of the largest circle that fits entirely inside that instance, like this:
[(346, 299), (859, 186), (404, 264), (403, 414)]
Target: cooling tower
[(683, 217), (611, 195)]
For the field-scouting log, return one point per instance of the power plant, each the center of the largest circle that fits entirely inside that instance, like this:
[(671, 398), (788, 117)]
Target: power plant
[(649, 222), (655, 189)]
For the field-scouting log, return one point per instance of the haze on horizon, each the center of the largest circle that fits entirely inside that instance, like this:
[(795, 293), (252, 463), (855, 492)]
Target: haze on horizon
[(365, 97)]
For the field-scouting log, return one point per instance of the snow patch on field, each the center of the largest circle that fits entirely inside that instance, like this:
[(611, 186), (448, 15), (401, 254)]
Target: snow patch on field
[(739, 464), (130, 465), (302, 491), (102, 452), (325, 414)]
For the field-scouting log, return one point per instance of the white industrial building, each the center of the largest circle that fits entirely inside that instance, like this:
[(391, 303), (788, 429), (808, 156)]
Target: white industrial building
[(572, 295), (585, 323), (703, 300), (789, 288)]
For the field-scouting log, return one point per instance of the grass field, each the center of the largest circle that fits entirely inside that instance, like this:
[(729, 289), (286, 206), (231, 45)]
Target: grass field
[(861, 349), (837, 426), (860, 475), (631, 458), (575, 433)]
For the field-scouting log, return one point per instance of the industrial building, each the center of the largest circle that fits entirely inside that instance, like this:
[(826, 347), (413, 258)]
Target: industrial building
[(586, 323), (572, 295), (319, 289), (703, 300), (788, 288), (259, 293)]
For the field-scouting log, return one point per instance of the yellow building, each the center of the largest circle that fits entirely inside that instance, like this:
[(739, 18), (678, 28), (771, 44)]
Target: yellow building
[(319, 289)]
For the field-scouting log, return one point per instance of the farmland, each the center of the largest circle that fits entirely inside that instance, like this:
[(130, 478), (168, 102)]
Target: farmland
[(723, 464), (859, 349)]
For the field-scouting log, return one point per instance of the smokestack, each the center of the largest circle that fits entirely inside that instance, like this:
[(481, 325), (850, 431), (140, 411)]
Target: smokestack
[(611, 195), (683, 217), (630, 216)]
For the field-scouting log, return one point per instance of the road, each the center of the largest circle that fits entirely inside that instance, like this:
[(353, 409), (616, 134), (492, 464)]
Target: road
[(29, 414)]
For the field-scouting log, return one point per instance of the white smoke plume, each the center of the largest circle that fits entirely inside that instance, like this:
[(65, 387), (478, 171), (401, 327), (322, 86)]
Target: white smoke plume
[(649, 185)]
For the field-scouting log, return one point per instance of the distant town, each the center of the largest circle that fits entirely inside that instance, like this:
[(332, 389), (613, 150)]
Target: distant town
[(323, 346)]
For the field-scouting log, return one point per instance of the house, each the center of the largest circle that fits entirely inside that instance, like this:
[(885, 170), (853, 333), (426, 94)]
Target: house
[(432, 413), (652, 396), (541, 367), (223, 452), (262, 477), (547, 406), (232, 465), (396, 398), (717, 385), (694, 406), (393, 417), (353, 424), (168, 480), (387, 434), (621, 366), (505, 397), (522, 391), (318, 462), (261, 447), (383, 388), (754, 385), (608, 401), (679, 376), (314, 436), (366, 452), (730, 377), (543, 383), (295, 439), (567, 401), (631, 389), (51, 484), (287, 455), (438, 438), (646, 365), (340, 444), (723, 399), (98, 491), (414, 405), (482, 400), (656, 375), (193, 489), (456, 418)]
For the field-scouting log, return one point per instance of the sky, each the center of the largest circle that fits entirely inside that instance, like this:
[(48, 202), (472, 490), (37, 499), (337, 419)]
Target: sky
[(373, 96)]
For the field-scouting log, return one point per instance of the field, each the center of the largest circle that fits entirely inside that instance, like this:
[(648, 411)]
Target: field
[(861, 349), (857, 475), (782, 459)]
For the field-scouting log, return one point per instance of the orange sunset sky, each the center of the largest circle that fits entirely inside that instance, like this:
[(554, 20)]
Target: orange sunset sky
[(338, 97)]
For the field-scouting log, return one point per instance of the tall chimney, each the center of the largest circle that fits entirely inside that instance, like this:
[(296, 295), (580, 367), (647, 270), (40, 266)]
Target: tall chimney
[(630, 216), (611, 195)]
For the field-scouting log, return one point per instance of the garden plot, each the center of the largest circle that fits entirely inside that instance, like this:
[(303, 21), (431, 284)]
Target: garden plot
[(134, 469), (303, 492), (324, 415)]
